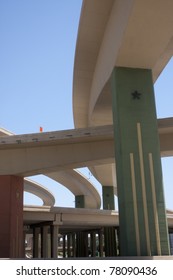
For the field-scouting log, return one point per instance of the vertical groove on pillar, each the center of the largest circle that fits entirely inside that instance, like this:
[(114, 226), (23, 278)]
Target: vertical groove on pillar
[(143, 188), (135, 204), (153, 189)]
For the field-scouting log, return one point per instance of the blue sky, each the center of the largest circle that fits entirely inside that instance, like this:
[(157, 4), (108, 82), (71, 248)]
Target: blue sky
[(38, 39)]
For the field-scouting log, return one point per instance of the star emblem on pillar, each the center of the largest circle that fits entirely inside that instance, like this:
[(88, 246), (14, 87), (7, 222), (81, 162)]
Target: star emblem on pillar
[(136, 95)]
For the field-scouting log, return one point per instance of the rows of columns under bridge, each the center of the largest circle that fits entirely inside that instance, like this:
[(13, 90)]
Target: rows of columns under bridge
[(45, 241), (48, 241)]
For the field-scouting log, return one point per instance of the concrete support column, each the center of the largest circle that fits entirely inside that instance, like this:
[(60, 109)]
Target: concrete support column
[(171, 242), (118, 241), (81, 244), (54, 241), (142, 215), (79, 201), (109, 233), (108, 197), (11, 217), (24, 238), (36, 233), (74, 244), (69, 244), (44, 241), (110, 242), (64, 246), (101, 243), (93, 244)]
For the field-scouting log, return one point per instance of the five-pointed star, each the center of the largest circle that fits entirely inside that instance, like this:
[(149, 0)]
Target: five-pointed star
[(136, 94)]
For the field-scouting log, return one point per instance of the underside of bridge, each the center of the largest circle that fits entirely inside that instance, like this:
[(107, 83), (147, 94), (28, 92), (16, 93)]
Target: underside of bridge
[(122, 48)]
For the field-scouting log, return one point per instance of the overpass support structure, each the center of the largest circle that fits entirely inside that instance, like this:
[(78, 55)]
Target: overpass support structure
[(110, 234), (11, 216), (142, 215)]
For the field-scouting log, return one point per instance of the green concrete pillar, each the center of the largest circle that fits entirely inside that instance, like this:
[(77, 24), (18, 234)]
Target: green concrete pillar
[(74, 244), (110, 242), (79, 201), (101, 242), (36, 233), (143, 225), (44, 242), (64, 246), (54, 229), (109, 233), (108, 197), (81, 244), (93, 243)]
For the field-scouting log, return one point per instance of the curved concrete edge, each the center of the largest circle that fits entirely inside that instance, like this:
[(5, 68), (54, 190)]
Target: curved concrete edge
[(99, 145), (40, 191), (75, 181), (5, 132), (105, 40), (31, 186), (78, 184)]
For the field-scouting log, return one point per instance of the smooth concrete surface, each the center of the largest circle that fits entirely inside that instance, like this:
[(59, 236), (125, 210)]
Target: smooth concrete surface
[(71, 218), (75, 181), (135, 34), (38, 154), (110, 35), (143, 224), (74, 217), (77, 184), (40, 191), (106, 38), (61, 150), (11, 216)]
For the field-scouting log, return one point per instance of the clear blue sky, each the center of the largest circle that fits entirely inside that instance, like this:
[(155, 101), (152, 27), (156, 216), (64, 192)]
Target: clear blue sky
[(38, 39)]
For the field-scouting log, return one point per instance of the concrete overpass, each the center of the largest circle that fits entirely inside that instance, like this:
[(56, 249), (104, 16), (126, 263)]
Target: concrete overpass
[(122, 47), (109, 40), (69, 219), (72, 179), (46, 153), (68, 223), (113, 33)]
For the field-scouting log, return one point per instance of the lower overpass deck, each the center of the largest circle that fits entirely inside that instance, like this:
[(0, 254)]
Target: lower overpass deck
[(75, 218), (53, 232)]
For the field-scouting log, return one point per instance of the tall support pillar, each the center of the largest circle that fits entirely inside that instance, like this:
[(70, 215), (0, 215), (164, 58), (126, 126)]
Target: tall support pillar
[(108, 197), (142, 215), (79, 201), (74, 244), (93, 244), (110, 242), (54, 229), (109, 233), (44, 241), (11, 216), (81, 244), (36, 232), (101, 243), (64, 246), (69, 244)]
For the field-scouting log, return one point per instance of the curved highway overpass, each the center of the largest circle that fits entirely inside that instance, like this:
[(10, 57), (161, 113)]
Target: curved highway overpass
[(135, 34), (16, 148), (122, 47), (112, 35), (76, 182)]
